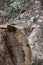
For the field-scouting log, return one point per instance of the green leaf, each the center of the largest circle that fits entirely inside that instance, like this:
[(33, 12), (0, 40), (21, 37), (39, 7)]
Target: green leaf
[(15, 7), (11, 9)]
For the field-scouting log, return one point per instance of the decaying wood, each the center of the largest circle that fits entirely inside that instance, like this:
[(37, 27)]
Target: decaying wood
[(14, 47)]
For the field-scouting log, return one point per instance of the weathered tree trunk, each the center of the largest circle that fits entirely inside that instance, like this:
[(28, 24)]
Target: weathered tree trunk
[(14, 47)]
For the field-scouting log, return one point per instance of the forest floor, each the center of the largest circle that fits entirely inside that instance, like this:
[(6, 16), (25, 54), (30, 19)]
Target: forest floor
[(31, 21)]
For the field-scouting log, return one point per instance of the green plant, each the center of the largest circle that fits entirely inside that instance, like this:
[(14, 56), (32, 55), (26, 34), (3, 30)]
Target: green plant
[(9, 1), (15, 7)]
